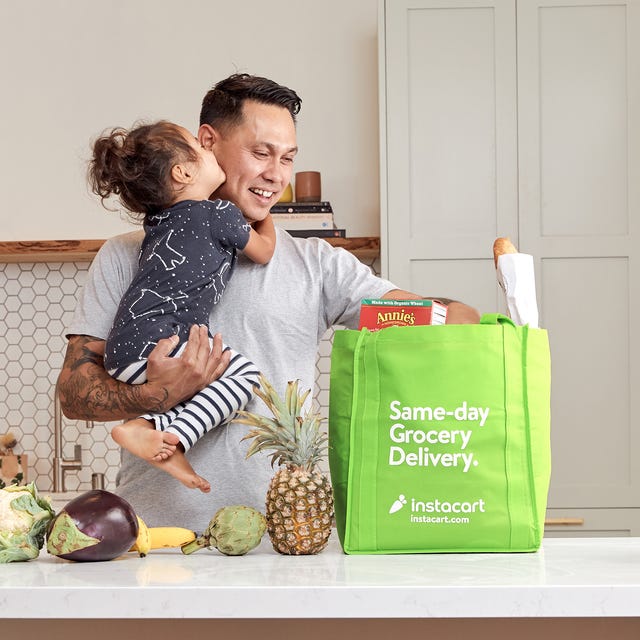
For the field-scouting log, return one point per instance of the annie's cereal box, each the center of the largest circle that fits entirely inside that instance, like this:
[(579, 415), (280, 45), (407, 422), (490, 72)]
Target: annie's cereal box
[(378, 314)]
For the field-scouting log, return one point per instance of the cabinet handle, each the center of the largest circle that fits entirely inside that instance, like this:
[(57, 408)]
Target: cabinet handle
[(564, 522)]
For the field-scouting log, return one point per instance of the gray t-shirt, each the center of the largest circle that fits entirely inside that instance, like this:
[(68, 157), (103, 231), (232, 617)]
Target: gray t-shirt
[(275, 314)]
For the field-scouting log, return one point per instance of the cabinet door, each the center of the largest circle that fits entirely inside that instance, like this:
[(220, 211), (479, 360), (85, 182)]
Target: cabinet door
[(449, 145), (547, 151), (579, 211)]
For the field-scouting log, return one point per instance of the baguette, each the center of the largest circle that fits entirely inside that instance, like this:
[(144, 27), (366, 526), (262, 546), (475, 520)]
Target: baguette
[(502, 246)]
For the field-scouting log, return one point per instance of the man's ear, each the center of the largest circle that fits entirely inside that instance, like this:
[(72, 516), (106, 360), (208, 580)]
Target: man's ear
[(207, 136), (182, 174)]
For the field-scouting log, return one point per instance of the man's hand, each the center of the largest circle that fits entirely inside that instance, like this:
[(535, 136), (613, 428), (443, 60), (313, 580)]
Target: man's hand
[(459, 313), (88, 392), (178, 379)]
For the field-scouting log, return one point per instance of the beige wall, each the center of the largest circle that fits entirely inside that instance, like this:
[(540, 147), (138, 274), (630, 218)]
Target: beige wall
[(71, 68)]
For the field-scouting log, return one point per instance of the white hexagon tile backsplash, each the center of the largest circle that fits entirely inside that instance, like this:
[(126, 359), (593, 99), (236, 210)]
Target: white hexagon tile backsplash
[(36, 304)]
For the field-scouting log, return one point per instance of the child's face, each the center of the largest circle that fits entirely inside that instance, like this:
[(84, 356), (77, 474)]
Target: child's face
[(209, 175)]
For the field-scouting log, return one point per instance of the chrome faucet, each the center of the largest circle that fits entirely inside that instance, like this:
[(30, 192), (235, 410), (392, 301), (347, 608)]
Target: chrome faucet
[(61, 464)]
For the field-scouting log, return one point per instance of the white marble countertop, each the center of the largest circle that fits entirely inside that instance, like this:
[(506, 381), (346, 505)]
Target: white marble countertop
[(583, 577)]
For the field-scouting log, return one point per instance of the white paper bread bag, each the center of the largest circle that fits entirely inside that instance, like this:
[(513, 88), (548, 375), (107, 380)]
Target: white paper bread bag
[(516, 276)]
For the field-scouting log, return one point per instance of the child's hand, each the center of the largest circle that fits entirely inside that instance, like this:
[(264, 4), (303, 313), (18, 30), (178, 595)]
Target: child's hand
[(262, 241)]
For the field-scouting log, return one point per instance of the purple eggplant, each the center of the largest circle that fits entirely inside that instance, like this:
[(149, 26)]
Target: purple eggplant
[(95, 526)]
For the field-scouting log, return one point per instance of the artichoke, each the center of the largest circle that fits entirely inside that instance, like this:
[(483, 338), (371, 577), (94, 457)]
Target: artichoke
[(234, 531), (24, 518)]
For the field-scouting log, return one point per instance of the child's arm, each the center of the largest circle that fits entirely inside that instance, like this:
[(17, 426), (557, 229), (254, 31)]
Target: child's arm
[(262, 241)]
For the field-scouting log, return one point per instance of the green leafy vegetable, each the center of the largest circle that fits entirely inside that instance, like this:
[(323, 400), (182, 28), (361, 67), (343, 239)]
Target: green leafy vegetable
[(24, 518)]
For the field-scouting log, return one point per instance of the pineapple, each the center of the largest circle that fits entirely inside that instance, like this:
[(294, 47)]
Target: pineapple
[(299, 504)]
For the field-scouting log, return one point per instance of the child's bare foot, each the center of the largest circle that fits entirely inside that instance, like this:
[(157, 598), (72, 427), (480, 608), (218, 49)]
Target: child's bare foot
[(141, 438), (180, 468)]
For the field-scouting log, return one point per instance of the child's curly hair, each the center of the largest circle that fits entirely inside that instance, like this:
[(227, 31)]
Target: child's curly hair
[(136, 165)]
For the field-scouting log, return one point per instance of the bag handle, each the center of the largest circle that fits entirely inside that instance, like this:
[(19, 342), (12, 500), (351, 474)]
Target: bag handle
[(496, 318), (357, 399)]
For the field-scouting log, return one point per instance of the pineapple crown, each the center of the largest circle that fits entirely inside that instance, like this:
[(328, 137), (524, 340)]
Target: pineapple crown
[(295, 439)]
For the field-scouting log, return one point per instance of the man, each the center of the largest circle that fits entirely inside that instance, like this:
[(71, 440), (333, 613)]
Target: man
[(275, 313)]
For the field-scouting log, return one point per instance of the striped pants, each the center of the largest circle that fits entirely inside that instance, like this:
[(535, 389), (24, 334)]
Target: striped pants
[(210, 407)]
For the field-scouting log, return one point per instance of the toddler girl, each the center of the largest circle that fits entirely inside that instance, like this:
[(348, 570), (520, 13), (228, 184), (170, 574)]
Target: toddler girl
[(164, 177)]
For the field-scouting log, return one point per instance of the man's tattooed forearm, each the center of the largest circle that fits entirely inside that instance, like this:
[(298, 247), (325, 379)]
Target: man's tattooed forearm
[(109, 398), (88, 392)]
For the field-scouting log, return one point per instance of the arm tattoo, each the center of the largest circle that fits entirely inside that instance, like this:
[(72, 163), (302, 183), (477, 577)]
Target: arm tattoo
[(82, 354), (88, 392)]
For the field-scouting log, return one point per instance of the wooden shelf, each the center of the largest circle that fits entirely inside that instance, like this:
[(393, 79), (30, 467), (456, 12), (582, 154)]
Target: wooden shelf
[(366, 247), (49, 250), (85, 250)]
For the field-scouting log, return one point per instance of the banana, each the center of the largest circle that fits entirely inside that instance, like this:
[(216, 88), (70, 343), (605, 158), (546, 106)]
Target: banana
[(170, 537), (143, 542), (159, 537)]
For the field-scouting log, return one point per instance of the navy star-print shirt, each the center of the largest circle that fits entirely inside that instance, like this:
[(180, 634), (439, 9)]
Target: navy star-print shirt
[(186, 260)]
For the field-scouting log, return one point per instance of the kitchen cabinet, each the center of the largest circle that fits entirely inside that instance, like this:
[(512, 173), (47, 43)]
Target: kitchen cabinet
[(522, 119)]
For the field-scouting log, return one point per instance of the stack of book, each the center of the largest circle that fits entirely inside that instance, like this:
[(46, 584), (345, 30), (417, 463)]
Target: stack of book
[(306, 219)]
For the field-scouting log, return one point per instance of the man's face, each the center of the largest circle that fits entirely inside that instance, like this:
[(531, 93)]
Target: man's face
[(257, 157)]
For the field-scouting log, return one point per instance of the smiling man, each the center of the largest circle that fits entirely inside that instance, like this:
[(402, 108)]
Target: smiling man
[(255, 141), (275, 314)]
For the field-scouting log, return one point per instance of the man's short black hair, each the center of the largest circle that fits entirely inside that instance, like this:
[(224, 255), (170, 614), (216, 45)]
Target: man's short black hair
[(222, 106)]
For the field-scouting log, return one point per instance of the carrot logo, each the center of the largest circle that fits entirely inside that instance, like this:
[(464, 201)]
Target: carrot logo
[(398, 504)]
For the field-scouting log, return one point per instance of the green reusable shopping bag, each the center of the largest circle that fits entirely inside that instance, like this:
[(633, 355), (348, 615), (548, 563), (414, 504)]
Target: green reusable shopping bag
[(439, 437)]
